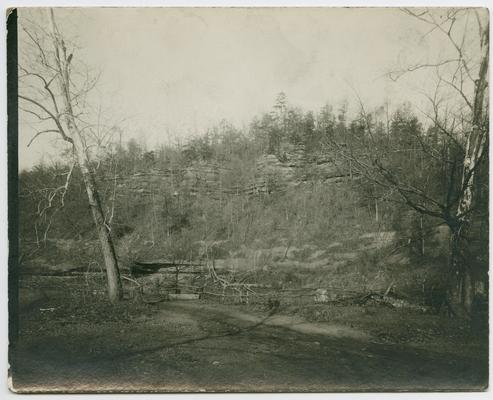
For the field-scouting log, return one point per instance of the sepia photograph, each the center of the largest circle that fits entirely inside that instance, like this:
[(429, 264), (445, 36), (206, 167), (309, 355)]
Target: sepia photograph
[(248, 199)]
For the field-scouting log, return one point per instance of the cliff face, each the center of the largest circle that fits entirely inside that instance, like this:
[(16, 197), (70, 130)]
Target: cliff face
[(271, 173)]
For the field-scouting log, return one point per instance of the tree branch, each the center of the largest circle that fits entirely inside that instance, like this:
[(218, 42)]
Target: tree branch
[(40, 133), (51, 115), (46, 85), (417, 67)]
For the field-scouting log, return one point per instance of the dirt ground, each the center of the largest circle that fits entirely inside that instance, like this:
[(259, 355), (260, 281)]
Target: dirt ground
[(202, 346)]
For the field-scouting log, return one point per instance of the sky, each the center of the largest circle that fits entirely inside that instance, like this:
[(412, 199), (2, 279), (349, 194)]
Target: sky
[(169, 73)]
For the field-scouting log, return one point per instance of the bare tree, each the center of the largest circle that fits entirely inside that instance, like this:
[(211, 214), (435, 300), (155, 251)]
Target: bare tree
[(459, 116), (54, 92)]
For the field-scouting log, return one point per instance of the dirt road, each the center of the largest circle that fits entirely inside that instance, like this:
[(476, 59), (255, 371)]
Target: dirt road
[(199, 346)]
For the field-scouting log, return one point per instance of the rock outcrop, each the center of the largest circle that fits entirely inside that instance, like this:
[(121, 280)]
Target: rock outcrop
[(273, 173)]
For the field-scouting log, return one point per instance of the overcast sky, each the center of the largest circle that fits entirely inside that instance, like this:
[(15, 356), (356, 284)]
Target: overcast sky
[(175, 72)]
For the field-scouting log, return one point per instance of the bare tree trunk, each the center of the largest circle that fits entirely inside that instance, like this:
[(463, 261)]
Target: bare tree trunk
[(456, 274), (115, 291), (463, 290)]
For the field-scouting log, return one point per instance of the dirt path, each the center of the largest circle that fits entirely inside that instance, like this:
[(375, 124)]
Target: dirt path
[(234, 316), (207, 347)]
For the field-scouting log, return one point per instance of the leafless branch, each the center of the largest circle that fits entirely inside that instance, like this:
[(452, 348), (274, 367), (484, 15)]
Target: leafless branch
[(395, 75), (50, 114), (38, 116), (40, 133)]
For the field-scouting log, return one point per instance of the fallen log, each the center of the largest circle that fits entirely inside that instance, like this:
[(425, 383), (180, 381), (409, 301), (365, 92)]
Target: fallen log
[(139, 268)]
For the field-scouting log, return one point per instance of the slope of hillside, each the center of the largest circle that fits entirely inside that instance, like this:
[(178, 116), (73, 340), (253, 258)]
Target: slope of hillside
[(285, 222)]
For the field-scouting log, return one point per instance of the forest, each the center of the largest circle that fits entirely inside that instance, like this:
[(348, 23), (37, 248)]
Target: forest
[(288, 182), (371, 218)]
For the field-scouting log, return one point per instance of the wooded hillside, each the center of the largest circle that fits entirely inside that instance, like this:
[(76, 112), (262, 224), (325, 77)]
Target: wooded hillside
[(281, 197)]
